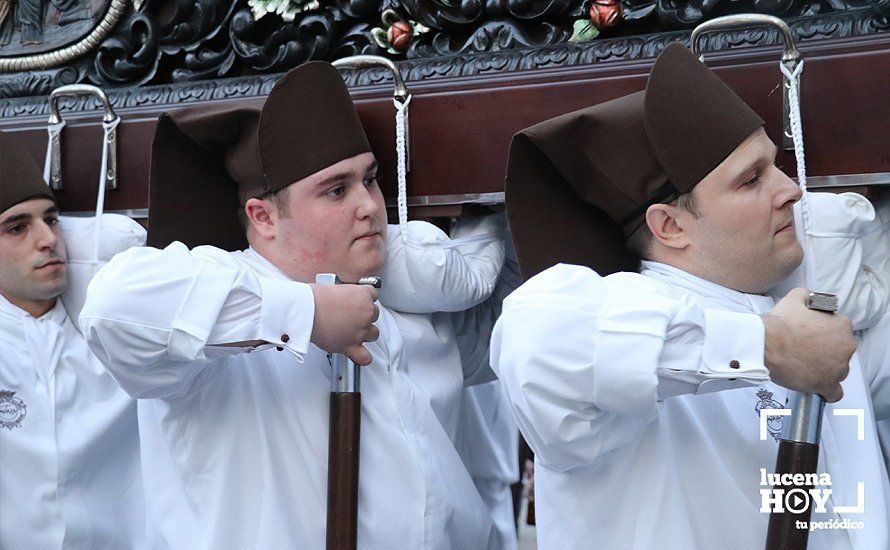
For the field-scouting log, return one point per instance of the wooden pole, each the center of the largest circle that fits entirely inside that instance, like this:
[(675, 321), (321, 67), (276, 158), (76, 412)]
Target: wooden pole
[(344, 439), (343, 462)]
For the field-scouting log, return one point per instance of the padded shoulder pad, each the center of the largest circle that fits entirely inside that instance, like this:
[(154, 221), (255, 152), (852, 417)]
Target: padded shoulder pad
[(116, 234)]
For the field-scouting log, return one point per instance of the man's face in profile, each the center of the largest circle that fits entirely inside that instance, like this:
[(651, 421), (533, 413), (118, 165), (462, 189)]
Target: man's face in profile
[(33, 269), (336, 222), (744, 236)]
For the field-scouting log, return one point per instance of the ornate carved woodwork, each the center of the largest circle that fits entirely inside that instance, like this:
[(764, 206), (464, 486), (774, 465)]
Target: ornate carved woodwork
[(181, 41), (470, 95), (461, 127)]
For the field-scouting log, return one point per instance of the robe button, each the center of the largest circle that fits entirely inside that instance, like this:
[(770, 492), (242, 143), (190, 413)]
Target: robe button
[(285, 338), (734, 364), (279, 348)]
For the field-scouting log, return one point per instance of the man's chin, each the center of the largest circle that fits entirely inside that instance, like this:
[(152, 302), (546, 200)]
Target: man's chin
[(787, 265), (56, 289), (368, 268), (373, 270), (795, 257)]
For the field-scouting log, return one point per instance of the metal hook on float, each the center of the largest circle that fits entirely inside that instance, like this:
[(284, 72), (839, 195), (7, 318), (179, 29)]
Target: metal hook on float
[(401, 99), (110, 120), (790, 56)]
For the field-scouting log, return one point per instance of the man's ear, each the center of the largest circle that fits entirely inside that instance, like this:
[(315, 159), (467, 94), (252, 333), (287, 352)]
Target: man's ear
[(261, 217), (666, 224)]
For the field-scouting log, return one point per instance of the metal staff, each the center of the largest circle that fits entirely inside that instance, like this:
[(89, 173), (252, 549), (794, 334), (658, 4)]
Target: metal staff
[(343, 440)]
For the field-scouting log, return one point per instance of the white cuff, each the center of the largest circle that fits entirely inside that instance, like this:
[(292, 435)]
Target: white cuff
[(731, 357), (287, 314)]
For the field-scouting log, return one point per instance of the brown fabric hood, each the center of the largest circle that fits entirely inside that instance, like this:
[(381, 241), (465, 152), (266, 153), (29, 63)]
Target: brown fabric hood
[(20, 178), (578, 184), (206, 162)]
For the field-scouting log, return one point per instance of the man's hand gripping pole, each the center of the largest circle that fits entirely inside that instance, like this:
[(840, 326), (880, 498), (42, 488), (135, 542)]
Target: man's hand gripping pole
[(343, 441)]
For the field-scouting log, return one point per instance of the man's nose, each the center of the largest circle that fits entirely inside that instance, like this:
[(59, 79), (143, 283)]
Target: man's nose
[(788, 191), (47, 238), (367, 206)]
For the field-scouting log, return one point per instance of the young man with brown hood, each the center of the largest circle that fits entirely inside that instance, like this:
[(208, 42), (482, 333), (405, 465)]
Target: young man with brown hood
[(227, 346), (69, 443), (640, 391)]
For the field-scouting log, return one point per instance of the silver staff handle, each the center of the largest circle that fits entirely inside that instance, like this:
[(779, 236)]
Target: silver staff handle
[(109, 144), (370, 61), (790, 55)]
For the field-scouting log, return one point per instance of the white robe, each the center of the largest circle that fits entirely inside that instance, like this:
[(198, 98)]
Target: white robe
[(489, 447), (69, 444), (489, 437), (587, 363), (874, 351), (874, 343), (431, 279), (235, 442)]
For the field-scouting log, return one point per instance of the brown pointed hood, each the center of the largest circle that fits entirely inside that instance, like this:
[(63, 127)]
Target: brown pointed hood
[(207, 161), (578, 184)]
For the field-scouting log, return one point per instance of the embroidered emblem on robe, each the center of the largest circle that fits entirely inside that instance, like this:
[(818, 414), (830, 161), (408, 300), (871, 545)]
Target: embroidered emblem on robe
[(12, 410)]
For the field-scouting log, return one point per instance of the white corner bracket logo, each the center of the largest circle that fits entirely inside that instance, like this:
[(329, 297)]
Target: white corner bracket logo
[(860, 420), (786, 493)]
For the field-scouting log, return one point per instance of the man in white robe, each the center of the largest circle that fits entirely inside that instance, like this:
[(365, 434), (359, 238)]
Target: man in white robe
[(228, 351), (69, 443), (640, 393)]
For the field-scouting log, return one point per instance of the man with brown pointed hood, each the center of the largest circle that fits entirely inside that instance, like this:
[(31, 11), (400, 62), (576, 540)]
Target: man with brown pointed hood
[(227, 345), (639, 384), (69, 445)]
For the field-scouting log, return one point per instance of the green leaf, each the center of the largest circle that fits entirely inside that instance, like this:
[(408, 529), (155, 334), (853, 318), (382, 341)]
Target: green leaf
[(583, 31)]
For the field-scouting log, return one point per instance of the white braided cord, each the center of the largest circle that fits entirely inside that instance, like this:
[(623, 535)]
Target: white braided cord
[(792, 78), (109, 128), (402, 163)]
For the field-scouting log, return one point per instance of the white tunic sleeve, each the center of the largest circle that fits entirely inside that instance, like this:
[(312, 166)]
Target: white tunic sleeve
[(473, 327), (584, 359), (433, 272), (157, 318), (846, 254)]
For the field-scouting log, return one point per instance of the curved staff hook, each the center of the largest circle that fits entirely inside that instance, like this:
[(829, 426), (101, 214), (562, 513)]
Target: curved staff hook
[(799, 446), (52, 169), (790, 56), (110, 120), (401, 98)]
